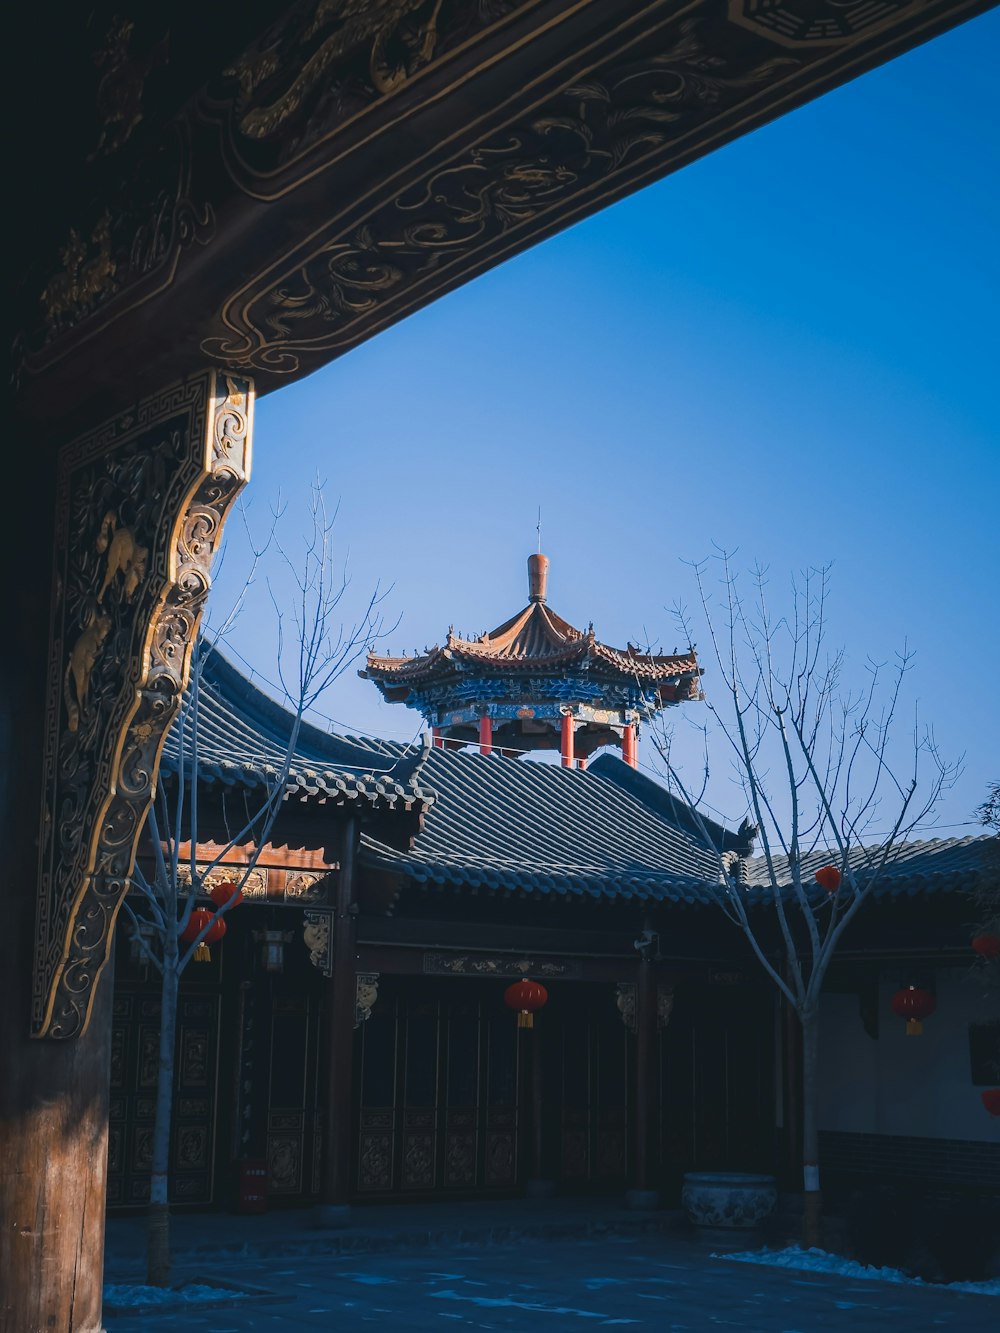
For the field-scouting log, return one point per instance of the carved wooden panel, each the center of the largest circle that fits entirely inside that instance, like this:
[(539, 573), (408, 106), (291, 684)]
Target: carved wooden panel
[(439, 1091), (141, 504), (135, 1043)]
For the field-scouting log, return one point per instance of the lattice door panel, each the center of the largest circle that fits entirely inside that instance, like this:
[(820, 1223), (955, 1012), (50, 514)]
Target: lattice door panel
[(134, 1063), (439, 1093)]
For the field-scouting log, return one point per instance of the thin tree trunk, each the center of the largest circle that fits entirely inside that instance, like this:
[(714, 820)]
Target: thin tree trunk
[(812, 1199), (158, 1239)]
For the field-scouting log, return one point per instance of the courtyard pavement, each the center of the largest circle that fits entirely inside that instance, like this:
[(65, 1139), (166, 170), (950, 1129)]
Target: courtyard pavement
[(522, 1265)]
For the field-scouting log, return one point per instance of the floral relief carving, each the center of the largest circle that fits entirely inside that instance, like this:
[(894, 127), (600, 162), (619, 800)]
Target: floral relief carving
[(141, 503), (578, 142)]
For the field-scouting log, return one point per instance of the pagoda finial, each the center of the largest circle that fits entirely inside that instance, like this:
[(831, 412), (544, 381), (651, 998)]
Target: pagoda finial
[(538, 577)]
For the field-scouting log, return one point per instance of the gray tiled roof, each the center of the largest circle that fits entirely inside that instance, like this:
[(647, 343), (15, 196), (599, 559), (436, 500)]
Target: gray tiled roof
[(927, 866), (520, 825), (243, 738), (512, 825), (609, 832)]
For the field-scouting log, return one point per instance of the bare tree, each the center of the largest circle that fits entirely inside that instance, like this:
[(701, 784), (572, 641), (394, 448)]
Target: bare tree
[(825, 786), (168, 883), (986, 900)]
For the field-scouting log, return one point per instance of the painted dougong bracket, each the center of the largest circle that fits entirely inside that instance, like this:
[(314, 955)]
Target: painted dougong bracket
[(141, 503)]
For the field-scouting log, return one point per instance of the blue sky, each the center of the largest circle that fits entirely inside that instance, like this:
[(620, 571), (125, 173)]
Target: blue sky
[(789, 347)]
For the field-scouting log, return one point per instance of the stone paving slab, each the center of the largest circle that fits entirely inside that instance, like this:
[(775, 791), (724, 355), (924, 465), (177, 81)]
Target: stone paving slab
[(639, 1283), (196, 1237)]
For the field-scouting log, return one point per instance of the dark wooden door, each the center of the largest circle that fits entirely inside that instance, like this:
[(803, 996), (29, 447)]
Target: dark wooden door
[(588, 1064), (135, 1050), (717, 1081), (439, 1088)]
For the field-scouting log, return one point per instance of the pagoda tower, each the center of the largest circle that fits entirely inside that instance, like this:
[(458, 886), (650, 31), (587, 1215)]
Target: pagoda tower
[(536, 683)]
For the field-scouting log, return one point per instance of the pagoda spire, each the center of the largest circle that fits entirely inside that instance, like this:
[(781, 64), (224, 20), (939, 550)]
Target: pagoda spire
[(538, 577), (536, 682)]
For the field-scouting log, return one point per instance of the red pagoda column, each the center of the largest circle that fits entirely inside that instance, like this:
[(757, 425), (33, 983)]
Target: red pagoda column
[(629, 754), (436, 740), (566, 745), (485, 735)]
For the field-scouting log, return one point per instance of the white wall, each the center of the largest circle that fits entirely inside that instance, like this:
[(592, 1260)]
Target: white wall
[(918, 1086)]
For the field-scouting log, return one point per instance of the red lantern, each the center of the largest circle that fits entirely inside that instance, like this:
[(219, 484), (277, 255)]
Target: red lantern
[(197, 921), (987, 945), (991, 1100), (225, 895), (914, 1005), (525, 996), (828, 877)]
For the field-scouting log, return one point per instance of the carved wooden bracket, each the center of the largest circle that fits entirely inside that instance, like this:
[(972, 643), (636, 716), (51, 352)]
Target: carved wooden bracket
[(664, 1005), (141, 503), (317, 933), (365, 996), (626, 1002)]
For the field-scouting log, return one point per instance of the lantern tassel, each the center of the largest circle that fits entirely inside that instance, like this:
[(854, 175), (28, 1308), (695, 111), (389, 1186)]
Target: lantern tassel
[(203, 954), (525, 1019), (914, 1028)]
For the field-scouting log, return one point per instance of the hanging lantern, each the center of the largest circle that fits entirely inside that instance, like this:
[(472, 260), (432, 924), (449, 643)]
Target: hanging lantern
[(986, 944), (828, 877), (991, 1100), (272, 948), (226, 894), (197, 921), (914, 1005), (525, 996)]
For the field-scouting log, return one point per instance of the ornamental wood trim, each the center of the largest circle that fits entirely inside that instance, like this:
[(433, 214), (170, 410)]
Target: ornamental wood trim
[(141, 503)]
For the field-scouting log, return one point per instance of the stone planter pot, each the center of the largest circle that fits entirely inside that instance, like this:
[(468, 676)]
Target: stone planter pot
[(728, 1199)]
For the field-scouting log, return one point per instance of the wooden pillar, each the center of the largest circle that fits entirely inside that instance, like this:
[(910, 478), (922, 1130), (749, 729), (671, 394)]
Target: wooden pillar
[(581, 764), (643, 1194), (131, 512), (334, 1209), (629, 750), (485, 735), (53, 1094), (566, 740), (436, 739), (537, 1186)]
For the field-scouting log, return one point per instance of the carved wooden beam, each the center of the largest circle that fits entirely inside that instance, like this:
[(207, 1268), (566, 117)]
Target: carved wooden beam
[(356, 162), (141, 505)]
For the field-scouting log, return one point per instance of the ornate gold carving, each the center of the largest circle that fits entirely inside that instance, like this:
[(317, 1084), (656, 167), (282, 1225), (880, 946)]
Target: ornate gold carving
[(371, 24), (324, 64), (623, 118), (817, 22), (86, 278), (664, 1005), (132, 247), (625, 1001), (119, 93), (254, 886), (317, 935), (167, 472), (125, 557), (464, 965), (365, 996), (76, 682)]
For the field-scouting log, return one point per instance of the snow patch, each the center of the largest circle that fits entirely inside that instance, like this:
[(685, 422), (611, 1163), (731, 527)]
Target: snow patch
[(820, 1261), (121, 1295)]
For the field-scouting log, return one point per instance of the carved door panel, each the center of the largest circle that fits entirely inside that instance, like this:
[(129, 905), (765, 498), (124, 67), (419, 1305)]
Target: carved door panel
[(134, 1064), (717, 1081), (439, 1087), (293, 1114), (593, 1092)]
